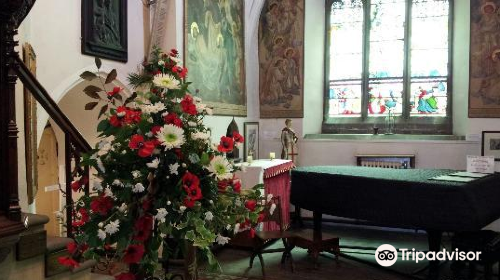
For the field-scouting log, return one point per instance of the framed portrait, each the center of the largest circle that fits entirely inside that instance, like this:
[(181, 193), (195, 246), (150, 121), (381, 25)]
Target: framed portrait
[(281, 59), (214, 54), (104, 29), (491, 144), (484, 83), (251, 135)]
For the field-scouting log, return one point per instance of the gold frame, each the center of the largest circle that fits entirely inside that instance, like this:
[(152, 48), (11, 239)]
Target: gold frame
[(30, 128)]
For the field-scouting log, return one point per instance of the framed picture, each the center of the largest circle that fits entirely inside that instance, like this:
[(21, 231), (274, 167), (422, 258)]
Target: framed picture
[(491, 144), (251, 135), (104, 29), (281, 59), (214, 54), (484, 82)]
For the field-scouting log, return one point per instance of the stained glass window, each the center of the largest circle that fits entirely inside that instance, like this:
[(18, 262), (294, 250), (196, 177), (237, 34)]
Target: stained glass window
[(388, 55)]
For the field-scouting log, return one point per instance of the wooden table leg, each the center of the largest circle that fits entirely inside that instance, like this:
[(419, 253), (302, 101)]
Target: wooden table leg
[(434, 238), (317, 238)]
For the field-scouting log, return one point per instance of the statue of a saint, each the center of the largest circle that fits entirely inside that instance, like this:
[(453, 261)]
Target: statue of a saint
[(289, 142)]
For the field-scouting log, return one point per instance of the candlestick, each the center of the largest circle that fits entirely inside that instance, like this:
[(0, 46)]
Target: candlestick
[(272, 155), (249, 159)]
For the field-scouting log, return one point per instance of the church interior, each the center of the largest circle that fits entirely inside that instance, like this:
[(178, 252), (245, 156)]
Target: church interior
[(249, 139)]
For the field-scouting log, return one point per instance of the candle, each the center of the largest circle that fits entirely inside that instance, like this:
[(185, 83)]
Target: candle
[(249, 159), (272, 155)]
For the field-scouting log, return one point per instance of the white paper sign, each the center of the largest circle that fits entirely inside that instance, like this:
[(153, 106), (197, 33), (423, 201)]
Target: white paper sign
[(479, 164)]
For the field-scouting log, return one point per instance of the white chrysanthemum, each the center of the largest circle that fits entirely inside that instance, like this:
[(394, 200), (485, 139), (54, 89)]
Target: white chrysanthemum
[(173, 168), (117, 183), (138, 188), (209, 216), (192, 124), (154, 164), (153, 108), (112, 227), (166, 81), (228, 227), (160, 216), (200, 136), (161, 62), (136, 174), (123, 208), (109, 193), (104, 147), (171, 136), (101, 234), (221, 168), (236, 228), (222, 240), (97, 186)]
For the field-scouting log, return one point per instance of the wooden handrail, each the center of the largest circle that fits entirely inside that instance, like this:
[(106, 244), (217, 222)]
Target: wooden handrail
[(43, 97)]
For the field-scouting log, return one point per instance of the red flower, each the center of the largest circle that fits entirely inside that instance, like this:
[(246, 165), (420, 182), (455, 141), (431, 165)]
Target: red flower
[(72, 247), (183, 73), (251, 204), (188, 202), (67, 261), (237, 186), (124, 115), (115, 91), (261, 217), (188, 106), (115, 121), (143, 227), (146, 148), (222, 185), (178, 153), (252, 233), (101, 204), (226, 144), (174, 52), (237, 137), (75, 186), (194, 193), (189, 180), (133, 116), (133, 254), (155, 129), (84, 217), (125, 276), (172, 118)]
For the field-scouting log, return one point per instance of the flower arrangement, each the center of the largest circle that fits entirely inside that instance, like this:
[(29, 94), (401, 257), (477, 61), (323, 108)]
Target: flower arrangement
[(157, 173)]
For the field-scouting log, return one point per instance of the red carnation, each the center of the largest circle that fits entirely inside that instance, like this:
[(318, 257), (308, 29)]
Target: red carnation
[(115, 91), (174, 52), (226, 144), (251, 204), (143, 227), (183, 73), (172, 118), (155, 129), (75, 186), (84, 217), (133, 254), (188, 106), (67, 261), (133, 116), (222, 185), (115, 121), (72, 247), (189, 180), (237, 186), (125, 276), (101, 205), (237, 137), (146, 148)]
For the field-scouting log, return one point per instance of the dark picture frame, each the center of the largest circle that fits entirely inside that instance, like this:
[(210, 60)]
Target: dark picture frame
[(251, 135), (104, 29), (490, 144), (214, 53)]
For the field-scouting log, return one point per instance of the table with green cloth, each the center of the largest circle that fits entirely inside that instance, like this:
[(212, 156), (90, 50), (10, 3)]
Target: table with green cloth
[(406, 198)]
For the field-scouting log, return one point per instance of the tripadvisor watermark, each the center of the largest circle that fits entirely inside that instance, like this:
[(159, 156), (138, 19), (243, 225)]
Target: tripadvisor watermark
[(386, 255)]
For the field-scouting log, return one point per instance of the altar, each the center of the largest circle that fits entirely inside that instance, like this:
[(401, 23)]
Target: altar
[(275, 175)]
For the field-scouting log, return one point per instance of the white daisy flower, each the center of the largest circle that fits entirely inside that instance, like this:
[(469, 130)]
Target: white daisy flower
[(160, 216), (136, 174), (173, 169), (171, 136), (209, 216), (222, 240), (117, 183), (221, 168), (108, 192), (154, 163), (101, 234), (200, 136), (112, 227), (161, 62), (166, 81), (138, 188), (97, 186), (153, 108)]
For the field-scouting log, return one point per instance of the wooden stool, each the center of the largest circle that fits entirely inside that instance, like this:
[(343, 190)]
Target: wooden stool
[(487, 242), (314, 242)]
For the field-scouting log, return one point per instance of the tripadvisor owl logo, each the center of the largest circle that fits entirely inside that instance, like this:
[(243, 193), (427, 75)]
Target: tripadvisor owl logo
[(386, 255)]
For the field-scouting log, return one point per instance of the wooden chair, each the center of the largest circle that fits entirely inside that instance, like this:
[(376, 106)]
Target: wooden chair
[(265, 238)]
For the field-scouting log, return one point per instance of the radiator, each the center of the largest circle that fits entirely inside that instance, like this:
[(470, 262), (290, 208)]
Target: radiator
[(386, 161)]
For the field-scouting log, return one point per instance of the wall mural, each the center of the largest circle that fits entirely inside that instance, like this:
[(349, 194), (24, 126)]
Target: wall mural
[(104, 29), (214, 53), (281, 59), (484, 79)]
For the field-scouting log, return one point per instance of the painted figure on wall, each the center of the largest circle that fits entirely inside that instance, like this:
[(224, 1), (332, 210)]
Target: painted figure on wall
[(289, 142), (106, 22), (215, 51), (484, 90), (281, 58)]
